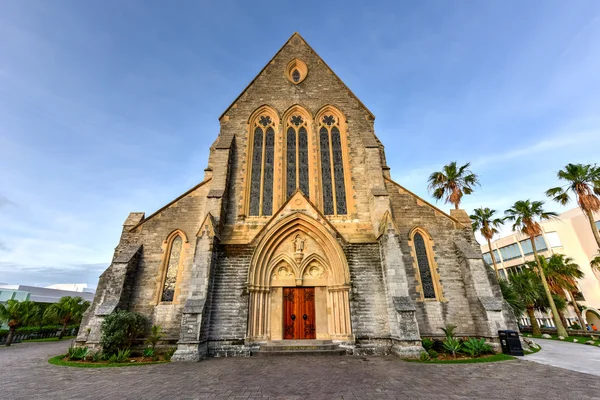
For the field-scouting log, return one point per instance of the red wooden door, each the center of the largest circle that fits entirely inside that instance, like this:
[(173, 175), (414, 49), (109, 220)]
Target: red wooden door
[(299, 313)]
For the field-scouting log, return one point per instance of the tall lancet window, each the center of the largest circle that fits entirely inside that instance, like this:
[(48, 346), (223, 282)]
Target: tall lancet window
[(261, 175), (332, 166), (427, 275), (173, 260), (297, 156)]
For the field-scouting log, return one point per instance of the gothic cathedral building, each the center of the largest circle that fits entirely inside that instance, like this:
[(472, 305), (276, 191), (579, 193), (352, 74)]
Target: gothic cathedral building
[(298, 232)]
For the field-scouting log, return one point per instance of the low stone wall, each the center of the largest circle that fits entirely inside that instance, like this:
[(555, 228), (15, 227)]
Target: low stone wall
[(572, 332)]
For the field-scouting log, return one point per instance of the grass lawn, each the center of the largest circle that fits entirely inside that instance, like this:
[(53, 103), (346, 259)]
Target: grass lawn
[(580, 339), (493, 358), (51, 339), (58, 360)]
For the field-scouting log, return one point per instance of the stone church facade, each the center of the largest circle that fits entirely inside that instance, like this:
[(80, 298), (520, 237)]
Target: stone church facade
[(298, 232)]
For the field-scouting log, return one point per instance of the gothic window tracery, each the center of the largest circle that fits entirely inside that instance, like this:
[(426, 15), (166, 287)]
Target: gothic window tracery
[(172, 266), (332, 166), (297, 156), (262, 165)]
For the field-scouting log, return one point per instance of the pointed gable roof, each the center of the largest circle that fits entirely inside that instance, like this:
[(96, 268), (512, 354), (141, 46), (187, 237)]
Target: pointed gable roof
[(287, 43)]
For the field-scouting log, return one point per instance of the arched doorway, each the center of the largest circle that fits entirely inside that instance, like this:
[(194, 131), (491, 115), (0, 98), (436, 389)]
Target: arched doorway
[(299, 284), (592, 316)]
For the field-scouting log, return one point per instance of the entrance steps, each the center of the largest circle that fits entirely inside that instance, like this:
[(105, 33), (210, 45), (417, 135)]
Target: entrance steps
[(299, 348)]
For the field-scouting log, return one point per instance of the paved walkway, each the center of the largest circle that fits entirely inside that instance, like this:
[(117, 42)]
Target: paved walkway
[(26, 374), (573, 356)]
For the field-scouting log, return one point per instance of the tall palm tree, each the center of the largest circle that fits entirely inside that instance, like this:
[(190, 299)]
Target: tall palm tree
[(452, 183), (524, 214), (16, 313), (67, 310), (527, 287), (583, 180), (484, 221)]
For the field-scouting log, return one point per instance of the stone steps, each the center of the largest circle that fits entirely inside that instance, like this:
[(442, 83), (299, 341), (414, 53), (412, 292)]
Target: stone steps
[(299, 348)]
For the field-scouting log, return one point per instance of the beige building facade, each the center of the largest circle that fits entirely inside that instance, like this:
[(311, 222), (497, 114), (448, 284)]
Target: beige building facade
[(298, 232), (570, 235)]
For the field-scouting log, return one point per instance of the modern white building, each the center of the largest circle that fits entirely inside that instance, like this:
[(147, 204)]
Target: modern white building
[(570, 235), (39, 294)]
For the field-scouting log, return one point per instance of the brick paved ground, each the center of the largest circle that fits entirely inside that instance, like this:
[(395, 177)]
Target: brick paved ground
[(26, 374)]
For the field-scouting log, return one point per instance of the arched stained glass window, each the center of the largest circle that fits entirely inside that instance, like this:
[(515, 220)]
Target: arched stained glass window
[(291, 161), (303, 160), (332, 166), (168, 291), (262, 165), (338, 169), (256, 172), (326, 172), (297, 156), (424, 267), (268, 179)]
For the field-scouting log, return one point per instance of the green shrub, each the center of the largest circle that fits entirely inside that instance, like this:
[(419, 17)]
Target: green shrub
[(97, 356), (120, 329), (424, 356), (154, 336), (452, 345), (169, 353), (576, 326), (449, 330), (77, 353), (476, 347), (148, 352), (120, 356), (432, 353), (427, 343)]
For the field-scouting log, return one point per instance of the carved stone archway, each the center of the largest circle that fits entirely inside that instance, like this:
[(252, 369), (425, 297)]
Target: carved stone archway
[(298, 251)]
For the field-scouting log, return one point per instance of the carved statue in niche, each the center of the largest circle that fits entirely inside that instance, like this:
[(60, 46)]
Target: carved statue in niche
[(298, 248)]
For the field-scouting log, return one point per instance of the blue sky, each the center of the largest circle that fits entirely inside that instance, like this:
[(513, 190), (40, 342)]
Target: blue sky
[(100, 101)]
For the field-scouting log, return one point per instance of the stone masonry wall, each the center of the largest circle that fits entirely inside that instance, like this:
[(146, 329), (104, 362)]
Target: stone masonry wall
[(432, 315), (320, 88), (368, 306), (186, 214)]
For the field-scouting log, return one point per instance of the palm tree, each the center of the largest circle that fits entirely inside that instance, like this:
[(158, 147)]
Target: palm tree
[(527, 287), (67, 310), (452, 183), (525, 215), (562, 273), (16, 313), (484, 221), (512, 297), (583, 180)]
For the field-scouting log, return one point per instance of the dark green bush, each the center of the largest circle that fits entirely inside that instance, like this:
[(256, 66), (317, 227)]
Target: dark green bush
[(427, 343), (432, 353), (169, 353), (120, 329), (476, 347)]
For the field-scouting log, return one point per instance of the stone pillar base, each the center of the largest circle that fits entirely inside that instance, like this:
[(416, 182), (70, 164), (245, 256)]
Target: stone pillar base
[(189, 352), (406, 349)]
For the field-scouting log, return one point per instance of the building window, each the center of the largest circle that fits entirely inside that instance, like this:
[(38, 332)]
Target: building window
[(423, 255), (510, 252), (261, 169), (540, 245), (553, 239), (297, 156), (332, 166), (173, 260), (296, 71)]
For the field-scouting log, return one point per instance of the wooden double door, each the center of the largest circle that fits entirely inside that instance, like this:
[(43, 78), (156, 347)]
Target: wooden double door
[(299, 313)]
